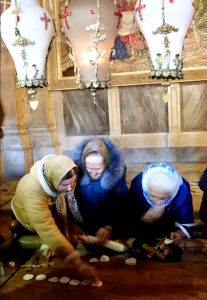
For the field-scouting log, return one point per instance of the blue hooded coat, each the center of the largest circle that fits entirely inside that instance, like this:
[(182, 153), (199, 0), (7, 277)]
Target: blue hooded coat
[(180, 210), (100, 200), (203, 186)]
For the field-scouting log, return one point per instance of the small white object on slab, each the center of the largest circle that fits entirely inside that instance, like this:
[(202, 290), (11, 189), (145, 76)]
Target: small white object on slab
[(53, 279), (28, 276), (131, 261), (85, 282), (97, 284), (12, 264), (93, 260), (104, 258), (40, 277), (168, 241), (74, 282), (64, 279)]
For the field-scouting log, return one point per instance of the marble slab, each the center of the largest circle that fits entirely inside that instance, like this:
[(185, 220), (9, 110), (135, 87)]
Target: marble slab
[(143, 110), (81, 116)]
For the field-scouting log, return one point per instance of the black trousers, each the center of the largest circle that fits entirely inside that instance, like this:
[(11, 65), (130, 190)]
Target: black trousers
[(17, 228)]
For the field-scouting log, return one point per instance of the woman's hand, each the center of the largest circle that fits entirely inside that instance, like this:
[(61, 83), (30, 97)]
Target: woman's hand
[(154, 213), (48, 254), (88, 272), (177, 236), (76, 233), (103, 234)]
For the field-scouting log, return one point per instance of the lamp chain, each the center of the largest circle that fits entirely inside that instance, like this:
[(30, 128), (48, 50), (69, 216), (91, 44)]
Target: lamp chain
[(23, 42)]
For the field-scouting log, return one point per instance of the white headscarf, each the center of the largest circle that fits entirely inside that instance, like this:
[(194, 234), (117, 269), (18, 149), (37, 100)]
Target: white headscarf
[(165, 177)]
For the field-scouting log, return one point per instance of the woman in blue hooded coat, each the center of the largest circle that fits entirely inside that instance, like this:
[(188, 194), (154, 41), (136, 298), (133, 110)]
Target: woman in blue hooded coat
[(203, 186), (101, 188), (160, 204)]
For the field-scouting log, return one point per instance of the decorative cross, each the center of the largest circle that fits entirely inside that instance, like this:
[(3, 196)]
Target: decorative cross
[(139, 9), (66, 13), (17, 11), (46, 20), (92, 11)]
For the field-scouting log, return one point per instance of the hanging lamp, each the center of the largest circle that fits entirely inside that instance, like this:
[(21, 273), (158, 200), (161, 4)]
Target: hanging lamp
[(164, 24), (91, 27), (27, 30)]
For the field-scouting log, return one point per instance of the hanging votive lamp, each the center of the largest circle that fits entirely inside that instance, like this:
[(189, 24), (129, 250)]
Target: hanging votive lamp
[(27, 30), (164, 24), (91, 27)]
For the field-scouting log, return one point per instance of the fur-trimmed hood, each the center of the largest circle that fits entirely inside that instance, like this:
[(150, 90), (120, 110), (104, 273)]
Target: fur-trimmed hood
[(112, 174)]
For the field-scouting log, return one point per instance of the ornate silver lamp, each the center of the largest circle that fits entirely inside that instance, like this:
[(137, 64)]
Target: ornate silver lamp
[(164, 24), (27, 30), (91, 27)]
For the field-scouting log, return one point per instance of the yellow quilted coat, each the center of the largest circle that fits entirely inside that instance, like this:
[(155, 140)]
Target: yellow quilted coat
[(33, 194)]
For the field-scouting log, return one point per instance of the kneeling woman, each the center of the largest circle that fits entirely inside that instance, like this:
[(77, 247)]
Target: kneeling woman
[(160, 204), (101, 188), (39, 190)]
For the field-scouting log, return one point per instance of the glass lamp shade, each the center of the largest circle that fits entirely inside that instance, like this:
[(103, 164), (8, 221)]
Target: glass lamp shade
[(27, 30), (164, 25), (91, 27)]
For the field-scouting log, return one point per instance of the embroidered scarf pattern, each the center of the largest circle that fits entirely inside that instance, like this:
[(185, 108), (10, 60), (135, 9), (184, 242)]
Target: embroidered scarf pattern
[(73, 205), (65, 202), (62, 210)]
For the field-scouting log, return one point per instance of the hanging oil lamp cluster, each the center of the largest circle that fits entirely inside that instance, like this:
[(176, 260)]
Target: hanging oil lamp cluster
[(27, 30), (91, 27)]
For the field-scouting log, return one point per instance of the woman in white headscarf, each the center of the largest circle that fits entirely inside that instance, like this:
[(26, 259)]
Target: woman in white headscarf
[(49, 184), (160, 203)]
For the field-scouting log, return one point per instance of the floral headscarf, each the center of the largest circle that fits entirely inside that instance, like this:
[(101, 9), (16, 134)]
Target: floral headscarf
[(51, 170), (96, 145)]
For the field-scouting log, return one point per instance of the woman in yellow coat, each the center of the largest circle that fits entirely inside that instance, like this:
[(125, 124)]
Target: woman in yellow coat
[(45, 186)]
